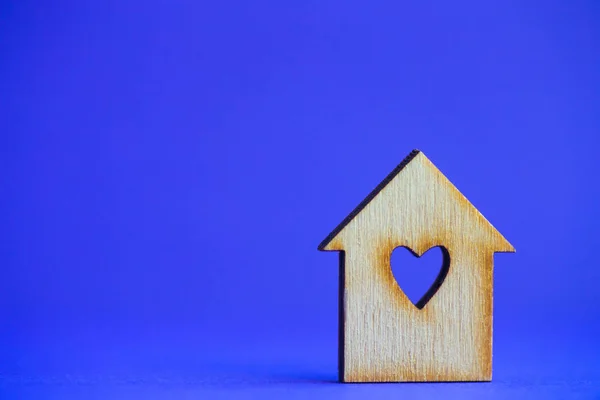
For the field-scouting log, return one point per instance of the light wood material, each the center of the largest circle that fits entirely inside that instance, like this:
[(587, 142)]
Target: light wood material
[(384, 337)]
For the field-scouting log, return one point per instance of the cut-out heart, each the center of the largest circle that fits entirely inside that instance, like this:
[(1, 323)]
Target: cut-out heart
[(420, 277)]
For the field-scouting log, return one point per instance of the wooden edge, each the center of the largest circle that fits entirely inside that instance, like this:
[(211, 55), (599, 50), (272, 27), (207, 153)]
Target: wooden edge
[(416, 381), (341, 315), (368, 199)]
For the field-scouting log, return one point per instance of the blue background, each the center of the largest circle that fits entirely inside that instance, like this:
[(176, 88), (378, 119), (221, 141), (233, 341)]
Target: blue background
[(169, 167)]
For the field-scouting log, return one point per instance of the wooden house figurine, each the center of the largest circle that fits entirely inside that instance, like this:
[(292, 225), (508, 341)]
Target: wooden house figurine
[(447, 335)]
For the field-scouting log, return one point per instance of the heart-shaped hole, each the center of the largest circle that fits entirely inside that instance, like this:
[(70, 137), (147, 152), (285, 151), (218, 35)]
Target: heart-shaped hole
[(420, 277)]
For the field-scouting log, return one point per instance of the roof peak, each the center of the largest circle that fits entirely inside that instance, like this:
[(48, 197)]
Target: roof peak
[(369, 197)]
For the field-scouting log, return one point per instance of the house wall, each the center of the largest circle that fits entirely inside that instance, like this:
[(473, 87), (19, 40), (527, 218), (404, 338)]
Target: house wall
[(387, 338)]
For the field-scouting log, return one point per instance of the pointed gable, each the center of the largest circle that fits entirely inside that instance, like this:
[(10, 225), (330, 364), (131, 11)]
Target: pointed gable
[(416, 202)]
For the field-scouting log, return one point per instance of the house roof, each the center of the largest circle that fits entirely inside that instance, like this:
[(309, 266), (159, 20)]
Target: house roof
[(368, 199)]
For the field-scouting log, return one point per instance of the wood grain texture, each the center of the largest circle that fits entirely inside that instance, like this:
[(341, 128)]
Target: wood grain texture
[(384, 337)]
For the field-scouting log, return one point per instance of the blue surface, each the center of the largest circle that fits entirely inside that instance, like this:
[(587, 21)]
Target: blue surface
[(170, 167)]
